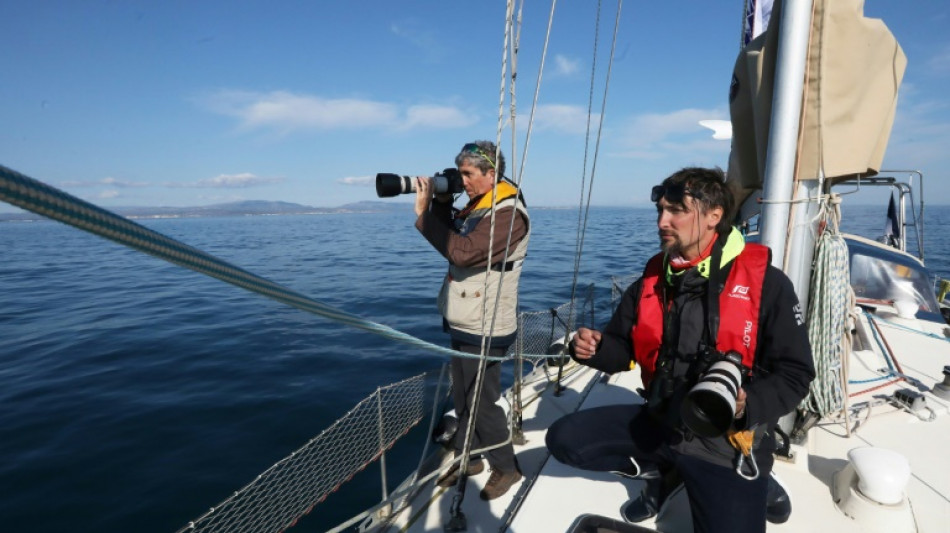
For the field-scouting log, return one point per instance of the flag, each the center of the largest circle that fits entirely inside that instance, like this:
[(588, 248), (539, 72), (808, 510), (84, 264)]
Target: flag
[(757, 15), (892, 230)]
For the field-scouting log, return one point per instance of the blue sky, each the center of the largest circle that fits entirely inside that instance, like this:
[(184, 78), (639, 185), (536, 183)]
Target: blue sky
[(192, 103)]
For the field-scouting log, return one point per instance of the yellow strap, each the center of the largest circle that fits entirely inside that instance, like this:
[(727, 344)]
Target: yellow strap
[(741, 440)]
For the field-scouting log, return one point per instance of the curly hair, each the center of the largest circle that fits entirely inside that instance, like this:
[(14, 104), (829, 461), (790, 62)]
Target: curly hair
[(708, 188)]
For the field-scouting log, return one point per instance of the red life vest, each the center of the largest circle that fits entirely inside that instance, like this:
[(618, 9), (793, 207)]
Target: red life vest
[(739, 305)]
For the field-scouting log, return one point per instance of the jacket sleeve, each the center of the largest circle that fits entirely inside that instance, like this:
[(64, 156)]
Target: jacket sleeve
[(615, 352), (470, 250), (784, 366)]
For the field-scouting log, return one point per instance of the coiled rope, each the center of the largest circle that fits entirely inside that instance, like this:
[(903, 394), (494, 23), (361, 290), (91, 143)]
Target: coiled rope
[(27, 193), (829, 308)]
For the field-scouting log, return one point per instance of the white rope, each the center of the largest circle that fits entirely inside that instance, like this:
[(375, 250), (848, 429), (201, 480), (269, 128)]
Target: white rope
[(829, 305)]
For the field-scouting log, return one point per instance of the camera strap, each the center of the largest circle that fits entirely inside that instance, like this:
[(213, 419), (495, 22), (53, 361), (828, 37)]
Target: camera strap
[(713, 288)]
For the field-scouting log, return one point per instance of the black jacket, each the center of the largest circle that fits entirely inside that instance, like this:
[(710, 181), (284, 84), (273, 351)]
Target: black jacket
[(783, 363)]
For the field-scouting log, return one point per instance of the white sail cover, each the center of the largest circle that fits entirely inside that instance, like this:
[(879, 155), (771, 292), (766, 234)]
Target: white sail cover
[(853, 73)]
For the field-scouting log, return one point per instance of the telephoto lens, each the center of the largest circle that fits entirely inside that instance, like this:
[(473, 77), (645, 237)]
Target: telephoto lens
[(388, 185), (710, 406)]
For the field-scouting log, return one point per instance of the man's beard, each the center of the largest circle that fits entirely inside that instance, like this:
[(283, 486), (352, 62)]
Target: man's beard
[(670, 246)]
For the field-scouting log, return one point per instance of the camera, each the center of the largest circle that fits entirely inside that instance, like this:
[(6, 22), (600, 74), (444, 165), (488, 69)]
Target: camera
[(710, 406), (447, 181)]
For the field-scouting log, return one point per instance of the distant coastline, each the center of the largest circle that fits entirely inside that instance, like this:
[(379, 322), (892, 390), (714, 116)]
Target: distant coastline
[(246, 208), (240, 209)]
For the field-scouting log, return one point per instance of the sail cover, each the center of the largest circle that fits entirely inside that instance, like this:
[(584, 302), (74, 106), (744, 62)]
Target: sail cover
[(853, 73)]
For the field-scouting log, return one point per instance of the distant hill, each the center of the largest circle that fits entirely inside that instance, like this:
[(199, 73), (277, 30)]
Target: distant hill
[(245, 208)]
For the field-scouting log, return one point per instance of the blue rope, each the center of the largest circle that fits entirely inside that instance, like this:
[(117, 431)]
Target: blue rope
[(32, 195)]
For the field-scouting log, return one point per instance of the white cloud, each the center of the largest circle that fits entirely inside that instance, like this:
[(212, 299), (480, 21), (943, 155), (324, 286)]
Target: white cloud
[(360, 181), (437, 117), (654, 135), (110, 182), (564, 119), (565, 66), (227, 181), (107, 195), (286, 112), (236, 181)]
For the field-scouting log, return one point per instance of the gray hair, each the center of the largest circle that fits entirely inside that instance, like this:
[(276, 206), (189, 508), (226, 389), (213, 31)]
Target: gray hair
[(481, 155)]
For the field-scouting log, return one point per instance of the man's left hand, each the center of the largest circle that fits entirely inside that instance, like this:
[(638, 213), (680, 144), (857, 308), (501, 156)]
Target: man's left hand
[(740, 403)]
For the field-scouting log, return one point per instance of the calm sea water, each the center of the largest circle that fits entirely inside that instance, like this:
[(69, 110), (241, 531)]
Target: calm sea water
[(136, 394)]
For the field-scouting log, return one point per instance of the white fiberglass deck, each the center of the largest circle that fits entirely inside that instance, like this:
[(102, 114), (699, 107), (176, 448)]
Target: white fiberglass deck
[(553, 496)]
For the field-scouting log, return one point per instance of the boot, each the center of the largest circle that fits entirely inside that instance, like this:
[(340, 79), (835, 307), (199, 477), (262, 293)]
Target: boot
[(778, 504), (647, 505), (451, 477), (499, 482)]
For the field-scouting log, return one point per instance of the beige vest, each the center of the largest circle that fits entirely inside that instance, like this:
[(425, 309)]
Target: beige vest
[(465, 297)]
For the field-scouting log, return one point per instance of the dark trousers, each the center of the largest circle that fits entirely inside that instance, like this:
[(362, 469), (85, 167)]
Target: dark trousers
[(491, 424), (605, 438)]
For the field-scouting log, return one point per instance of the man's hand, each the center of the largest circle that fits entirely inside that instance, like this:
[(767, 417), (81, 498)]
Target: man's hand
[(740, 403), (423, 195), (585, 342)]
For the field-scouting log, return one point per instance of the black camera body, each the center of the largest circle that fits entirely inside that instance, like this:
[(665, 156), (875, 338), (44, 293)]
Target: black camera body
[(448, 181)]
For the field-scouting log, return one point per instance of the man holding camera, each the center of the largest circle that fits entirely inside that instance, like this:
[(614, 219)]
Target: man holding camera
[(470, 301), (708, 302)]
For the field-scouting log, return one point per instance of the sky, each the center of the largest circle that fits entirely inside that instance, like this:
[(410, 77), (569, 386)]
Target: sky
[(186, 103)]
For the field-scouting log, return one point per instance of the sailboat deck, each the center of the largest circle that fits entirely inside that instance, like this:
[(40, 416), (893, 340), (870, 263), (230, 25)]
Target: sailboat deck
[(554, 497)]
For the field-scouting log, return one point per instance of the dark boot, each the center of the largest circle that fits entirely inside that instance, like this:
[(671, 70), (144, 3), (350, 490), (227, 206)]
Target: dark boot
[(647, 505), (778, 504)]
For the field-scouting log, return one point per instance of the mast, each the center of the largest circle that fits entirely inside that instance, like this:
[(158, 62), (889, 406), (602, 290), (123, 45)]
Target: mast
[(779, 180)]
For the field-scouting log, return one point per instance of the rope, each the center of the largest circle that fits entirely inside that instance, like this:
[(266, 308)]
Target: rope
[(829, 306), (457, 521), (27, 193)]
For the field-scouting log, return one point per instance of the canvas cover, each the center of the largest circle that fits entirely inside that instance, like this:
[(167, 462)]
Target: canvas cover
[(853, 73)]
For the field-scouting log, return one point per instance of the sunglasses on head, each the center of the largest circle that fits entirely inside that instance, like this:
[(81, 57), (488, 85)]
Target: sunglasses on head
[(475, 149), (674, 193)]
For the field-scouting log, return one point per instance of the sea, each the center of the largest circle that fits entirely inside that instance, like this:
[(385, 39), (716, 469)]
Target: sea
[(136, 394)]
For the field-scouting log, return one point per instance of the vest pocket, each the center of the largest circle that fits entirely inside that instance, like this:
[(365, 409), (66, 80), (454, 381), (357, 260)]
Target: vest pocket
[(461, 304)]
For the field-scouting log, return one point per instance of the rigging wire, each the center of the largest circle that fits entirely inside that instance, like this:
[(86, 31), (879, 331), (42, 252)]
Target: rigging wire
[(582, 213), (457, 520), (582, 228)]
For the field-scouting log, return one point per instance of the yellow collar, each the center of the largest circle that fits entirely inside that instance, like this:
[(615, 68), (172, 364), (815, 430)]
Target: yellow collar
[(505, 191), (735, 243)]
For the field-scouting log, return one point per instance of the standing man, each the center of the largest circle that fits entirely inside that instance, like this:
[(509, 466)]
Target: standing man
[(706, 295), (469, 301)]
